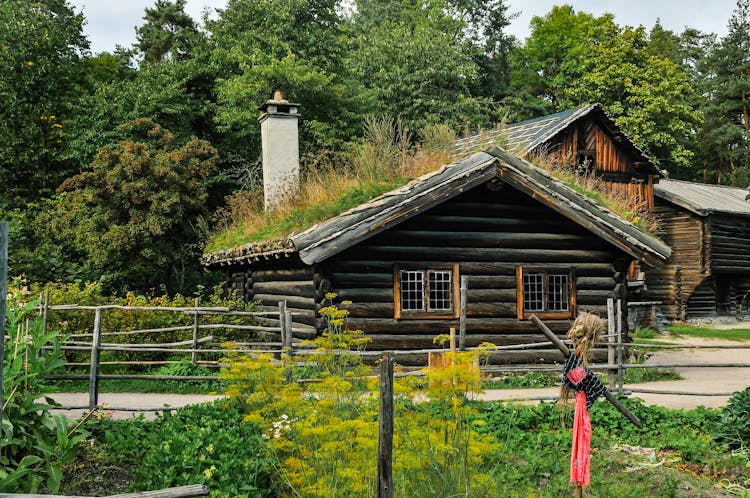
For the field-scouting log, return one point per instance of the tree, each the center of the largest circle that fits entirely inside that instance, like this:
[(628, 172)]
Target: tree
[(168, 33), (726, 134), (417, 62), (553, 41), (574, 59), (295, 46), (137, 218), (41, 45)]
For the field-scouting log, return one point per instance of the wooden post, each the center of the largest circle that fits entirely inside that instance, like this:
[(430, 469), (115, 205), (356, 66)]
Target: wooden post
[(45, 312), (385, 427), (196, 328), (611, 328), (462, 313), (287, 342), (282, 322), (3, 294), (452, 341), (620, 369), (94, 372), (288, 322)]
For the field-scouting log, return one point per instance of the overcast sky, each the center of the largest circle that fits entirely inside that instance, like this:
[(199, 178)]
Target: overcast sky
[(112, 22)]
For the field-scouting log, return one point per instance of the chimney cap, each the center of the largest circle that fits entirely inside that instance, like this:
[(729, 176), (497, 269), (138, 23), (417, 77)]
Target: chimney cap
[(278, 105)]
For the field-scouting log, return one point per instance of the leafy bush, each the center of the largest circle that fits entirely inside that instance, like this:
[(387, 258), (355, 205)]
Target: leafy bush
[(733, 427), (35, 444), (207, 444)]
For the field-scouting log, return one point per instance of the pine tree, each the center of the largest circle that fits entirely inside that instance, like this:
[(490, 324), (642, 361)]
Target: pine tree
[(726, 133)]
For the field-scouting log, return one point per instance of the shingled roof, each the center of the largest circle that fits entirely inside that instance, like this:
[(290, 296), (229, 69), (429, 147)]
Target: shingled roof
[(704, 199), (534, 135), (336, 234)]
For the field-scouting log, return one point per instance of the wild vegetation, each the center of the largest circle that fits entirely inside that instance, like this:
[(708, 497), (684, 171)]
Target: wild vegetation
[(679, 97), (320, 438)]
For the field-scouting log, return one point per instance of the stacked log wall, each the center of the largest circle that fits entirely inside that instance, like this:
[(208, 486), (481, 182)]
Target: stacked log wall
[(287, 280), (730, 245), (674, 282), (488, 234)]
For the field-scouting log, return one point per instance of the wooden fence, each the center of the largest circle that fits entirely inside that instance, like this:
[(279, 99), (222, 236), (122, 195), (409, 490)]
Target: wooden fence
[(282, 341)]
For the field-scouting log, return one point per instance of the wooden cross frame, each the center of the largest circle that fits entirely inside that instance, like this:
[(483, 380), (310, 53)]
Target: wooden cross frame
[(566, 352)]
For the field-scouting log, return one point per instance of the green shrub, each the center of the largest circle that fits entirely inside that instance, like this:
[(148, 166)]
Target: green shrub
[(733, 427), (207, 444)]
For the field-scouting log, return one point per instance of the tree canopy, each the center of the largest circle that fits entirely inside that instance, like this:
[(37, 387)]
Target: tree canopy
[(113, 161)]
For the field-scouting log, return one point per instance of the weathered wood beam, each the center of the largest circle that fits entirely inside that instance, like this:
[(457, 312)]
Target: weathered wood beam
[(282, 274), (303, 288), (461, 254)]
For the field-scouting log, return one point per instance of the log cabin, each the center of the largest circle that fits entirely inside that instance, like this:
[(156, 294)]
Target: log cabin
[(585, 138), (708, 229), (527, 242)]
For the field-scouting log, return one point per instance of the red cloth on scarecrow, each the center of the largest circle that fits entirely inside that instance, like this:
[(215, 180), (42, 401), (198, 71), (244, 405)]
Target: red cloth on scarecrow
[(580, 456)]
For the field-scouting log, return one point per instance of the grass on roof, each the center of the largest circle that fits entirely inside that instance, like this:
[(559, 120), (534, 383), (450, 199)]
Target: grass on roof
[(385, 160)]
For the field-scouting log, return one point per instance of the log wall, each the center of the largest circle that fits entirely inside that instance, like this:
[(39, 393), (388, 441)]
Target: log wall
[(730, 245), (287, 280), (674, 282), (488, 234)]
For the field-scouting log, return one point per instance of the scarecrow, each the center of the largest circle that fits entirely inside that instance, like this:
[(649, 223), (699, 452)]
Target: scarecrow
[(583, 335)]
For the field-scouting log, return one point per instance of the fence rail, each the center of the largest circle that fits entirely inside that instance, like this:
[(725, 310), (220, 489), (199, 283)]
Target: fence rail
[(197, 347)]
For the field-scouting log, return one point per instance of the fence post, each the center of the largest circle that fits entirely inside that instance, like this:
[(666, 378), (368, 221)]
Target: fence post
[(282, 322), (611, 337), (385, 427), (620, 366), (287, 342), (196, 327), (96, 343), (462, 313)]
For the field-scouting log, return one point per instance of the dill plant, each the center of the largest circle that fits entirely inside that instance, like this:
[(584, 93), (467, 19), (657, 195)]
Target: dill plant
[(322, 435)]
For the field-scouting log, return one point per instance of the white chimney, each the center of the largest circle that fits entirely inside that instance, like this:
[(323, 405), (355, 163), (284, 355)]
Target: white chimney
[(280, 141)]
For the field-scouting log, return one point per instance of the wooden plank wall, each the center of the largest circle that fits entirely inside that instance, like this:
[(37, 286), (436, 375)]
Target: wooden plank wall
[(685, 233), (488, 233), (610, 159)]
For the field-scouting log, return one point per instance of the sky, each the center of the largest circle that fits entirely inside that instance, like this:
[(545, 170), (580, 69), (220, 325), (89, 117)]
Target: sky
[(112, 22)]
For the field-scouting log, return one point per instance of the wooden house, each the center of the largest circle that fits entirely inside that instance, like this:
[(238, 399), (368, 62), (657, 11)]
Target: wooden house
[(586, 138), (708, 229), (527, 242)]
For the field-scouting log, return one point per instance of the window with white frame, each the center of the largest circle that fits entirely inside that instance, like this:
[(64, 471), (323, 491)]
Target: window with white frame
[(425, 292), (549, 293)]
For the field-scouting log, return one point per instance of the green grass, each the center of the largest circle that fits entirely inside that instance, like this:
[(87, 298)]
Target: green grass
[(300, 219), (709, 333), (142, 386), (533, 380)]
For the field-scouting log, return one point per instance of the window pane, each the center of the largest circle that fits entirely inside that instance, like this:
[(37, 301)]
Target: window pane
[(533, 292), (412, 290), (557, 293), (440, 291)]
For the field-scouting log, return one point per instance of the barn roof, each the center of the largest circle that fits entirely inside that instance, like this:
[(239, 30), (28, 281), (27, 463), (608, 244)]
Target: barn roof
[(703, 199), (336, 234), (534, 135)]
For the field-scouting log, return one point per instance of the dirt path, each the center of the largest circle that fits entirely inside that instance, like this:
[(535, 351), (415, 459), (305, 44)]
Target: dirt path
[(144, 401)]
